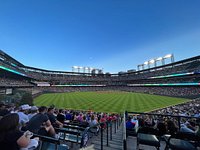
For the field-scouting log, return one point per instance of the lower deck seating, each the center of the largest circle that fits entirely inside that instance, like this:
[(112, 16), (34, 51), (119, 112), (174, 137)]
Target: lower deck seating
[(148, 136), (49, 143), (183, 141), (131, 132)]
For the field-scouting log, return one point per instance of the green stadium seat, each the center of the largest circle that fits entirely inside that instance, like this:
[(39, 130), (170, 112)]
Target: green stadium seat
[(148, 136)]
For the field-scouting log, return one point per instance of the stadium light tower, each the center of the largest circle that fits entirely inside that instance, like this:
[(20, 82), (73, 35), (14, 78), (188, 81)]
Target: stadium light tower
[(89, 69), (159, 59), (74, 68), (152, 61), (79, 68), (146, 63), (171, 56), (84, 69), (138, 67), (142, 66)]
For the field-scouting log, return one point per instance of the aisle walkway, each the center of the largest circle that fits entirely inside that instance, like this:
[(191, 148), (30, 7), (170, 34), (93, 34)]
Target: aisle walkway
[(115, 144)]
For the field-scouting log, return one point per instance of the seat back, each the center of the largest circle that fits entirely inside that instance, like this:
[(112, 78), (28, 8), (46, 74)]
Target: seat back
[(148, 130), (50, 143), (182, 141), (72, 135), (132, 132), (185, 136)]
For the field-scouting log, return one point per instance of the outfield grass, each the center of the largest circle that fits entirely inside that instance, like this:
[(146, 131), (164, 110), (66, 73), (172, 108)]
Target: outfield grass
[(107, 101)]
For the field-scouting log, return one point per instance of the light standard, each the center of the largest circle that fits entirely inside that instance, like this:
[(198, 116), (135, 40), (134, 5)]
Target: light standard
[(152, 62), (146, 63), (168, 56), (74, 68), (159, 59)]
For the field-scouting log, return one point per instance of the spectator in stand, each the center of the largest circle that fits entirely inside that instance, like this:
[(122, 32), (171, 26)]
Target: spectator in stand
[(88, 117), (135, 121), (23, 117), (68, 116), (34, 111), (188, 127), (103, 120), (53, 119), (114, 117), (61, 116), (40, 123), (80, 117), (109, 118), (149, 121), (160, 125), (3, 110), (84, 122), (172, 127), (76, 114), (11, 138), (129, 124), (93, 121)]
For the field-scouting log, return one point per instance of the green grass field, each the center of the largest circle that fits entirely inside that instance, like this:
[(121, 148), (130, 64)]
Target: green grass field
[(110, 101)]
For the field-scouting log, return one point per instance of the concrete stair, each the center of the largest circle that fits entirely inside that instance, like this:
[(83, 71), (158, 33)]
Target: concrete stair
[(115, 144)]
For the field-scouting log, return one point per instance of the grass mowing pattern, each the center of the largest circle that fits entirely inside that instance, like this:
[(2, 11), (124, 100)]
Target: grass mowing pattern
[(110, 101)]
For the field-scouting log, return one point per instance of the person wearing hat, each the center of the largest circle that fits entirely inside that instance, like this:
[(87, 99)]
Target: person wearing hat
[(23, 117), (34, 111)]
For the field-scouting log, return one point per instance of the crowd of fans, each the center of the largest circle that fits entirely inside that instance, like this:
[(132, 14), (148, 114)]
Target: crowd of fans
[(168, 91), (184, 79), (164, 125), (187, 92), (140, 77), (8, 82), (22, 122), (42, 75), (190, 108), (179, 118), (174, 69), (17, 125)]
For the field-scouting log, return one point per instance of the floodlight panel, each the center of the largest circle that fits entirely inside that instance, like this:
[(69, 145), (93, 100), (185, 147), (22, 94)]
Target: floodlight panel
[(168, 56), (75, 67), (152, 61), (146, 62), (159, 58)]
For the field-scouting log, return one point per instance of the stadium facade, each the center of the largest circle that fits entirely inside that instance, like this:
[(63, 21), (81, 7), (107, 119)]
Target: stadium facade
[(181, 78)]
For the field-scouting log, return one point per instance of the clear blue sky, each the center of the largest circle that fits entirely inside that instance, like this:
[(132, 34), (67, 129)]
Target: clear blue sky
[(116, 35)]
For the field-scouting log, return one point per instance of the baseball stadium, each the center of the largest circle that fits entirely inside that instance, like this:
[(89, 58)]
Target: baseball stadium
[(167, 89), (99, 75)]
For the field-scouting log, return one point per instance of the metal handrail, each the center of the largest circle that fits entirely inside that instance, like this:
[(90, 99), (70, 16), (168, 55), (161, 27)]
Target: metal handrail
[(166, 115), (124, 132)]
